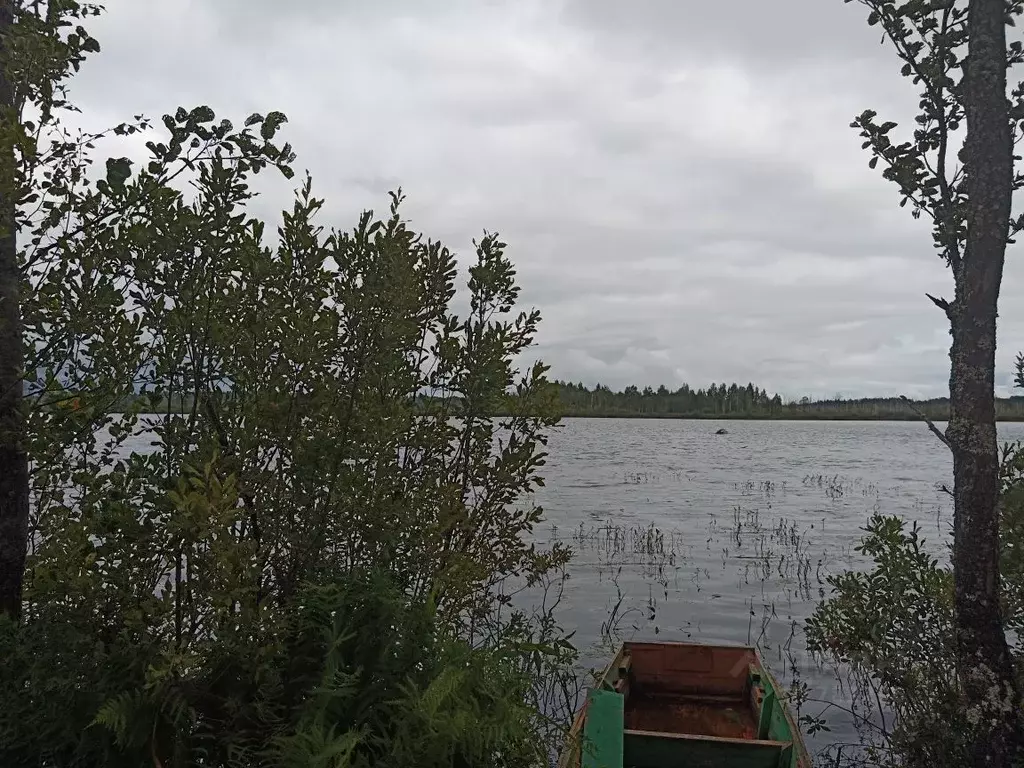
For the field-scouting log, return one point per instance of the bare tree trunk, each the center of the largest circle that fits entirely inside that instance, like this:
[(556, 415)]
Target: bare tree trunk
[(983, 654), (13, 459)]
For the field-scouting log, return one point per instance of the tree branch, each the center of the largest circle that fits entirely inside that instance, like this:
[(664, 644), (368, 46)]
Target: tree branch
[(931, 424), (940, 303)]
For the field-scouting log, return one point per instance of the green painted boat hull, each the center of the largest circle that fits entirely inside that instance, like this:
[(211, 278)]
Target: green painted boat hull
[(685, 705)]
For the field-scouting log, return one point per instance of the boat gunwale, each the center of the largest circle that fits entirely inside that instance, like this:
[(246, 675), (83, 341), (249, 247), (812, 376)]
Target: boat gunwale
[(573, 743)]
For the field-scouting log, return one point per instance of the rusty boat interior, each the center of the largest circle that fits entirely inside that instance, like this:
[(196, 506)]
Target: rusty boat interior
[(684, 705)]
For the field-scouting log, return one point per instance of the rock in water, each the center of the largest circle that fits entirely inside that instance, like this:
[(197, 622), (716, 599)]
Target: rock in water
[(722, 431)]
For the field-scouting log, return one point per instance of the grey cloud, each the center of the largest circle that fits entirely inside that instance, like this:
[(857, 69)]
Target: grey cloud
[(677, 181), (776, 33)]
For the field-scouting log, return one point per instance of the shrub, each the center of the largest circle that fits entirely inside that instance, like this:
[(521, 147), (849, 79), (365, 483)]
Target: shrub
[(891, 629), (315, 411)]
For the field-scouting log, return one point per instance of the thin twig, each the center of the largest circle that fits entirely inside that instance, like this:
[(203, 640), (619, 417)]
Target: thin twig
[(931, 425)]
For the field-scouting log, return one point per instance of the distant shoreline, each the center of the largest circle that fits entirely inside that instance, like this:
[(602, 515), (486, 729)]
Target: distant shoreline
[(1014, 419), (753, 403)]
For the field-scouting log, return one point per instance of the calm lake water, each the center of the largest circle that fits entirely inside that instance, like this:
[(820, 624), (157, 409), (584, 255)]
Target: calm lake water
[(688, 535)]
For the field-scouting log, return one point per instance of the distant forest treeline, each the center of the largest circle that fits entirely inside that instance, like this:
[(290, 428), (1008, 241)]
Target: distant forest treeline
[(719, 401), (736, 401)]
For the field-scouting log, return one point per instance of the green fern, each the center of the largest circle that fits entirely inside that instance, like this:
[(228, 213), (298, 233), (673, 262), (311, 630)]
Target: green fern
[(316, 746), (119, 715), (441, 691)]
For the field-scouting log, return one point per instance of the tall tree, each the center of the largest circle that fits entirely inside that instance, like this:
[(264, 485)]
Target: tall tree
[(957, 53), (13, 458), (984, 655)]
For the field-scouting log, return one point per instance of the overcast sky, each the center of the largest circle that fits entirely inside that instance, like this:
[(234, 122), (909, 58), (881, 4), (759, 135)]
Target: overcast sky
[(676, 179)]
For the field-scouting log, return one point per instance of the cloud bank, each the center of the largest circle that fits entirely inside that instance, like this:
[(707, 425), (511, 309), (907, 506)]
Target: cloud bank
[(677, 181)]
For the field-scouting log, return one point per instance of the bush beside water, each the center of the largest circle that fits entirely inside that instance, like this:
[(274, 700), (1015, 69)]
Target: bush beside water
[(303, 568)]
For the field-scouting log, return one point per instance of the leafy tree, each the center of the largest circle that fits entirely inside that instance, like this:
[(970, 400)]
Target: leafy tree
[(324, 441), (957, 53)]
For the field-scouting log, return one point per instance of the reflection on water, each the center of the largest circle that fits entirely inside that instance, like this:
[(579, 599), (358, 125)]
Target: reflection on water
[(682, 534)]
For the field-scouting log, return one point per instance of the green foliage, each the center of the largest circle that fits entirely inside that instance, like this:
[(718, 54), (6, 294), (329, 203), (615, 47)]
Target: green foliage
[(892, 628), (302, 363), (227, 429), (354, 674), (930, 37)]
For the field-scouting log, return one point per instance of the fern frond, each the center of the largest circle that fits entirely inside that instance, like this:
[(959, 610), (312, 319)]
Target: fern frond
[(441, 690)]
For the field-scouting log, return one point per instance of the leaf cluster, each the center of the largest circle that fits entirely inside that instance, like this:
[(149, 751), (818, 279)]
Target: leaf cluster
[(927, 163)]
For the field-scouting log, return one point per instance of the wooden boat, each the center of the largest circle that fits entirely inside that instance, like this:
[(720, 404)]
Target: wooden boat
[(684, 705)]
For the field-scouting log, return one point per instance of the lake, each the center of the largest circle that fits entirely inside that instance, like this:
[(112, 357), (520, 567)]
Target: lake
[(682, 534), (689, 535)]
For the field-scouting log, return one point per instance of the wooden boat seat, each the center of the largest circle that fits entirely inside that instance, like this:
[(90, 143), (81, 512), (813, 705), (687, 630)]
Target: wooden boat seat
[(649, 749)]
